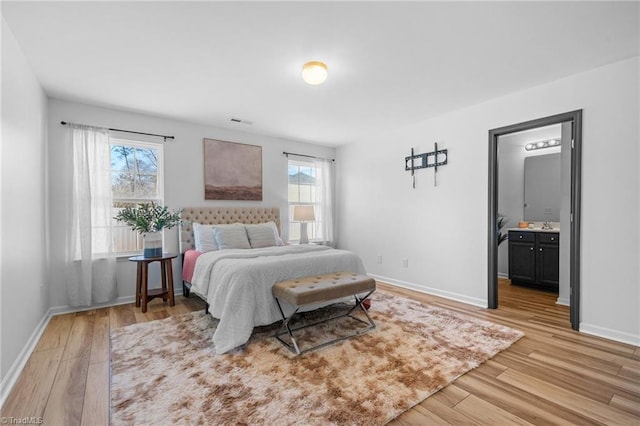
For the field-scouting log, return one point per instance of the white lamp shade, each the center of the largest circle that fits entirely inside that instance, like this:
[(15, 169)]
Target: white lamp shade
[(314, 72), (303, 213)]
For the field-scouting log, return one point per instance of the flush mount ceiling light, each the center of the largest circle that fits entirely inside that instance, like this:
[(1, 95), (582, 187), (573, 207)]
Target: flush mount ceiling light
[(314, 72), (542, 144)]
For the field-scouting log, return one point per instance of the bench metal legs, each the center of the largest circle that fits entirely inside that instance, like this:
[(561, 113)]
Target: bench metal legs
[(293, 346), (286, 329)]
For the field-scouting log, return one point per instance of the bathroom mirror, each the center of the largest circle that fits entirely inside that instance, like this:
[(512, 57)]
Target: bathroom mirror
[(542, 190)]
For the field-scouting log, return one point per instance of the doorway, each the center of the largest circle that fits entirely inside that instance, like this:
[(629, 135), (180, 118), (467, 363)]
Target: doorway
[(575, 120)]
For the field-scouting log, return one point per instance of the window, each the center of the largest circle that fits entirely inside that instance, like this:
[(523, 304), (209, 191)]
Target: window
[(136, 177), (309, 184), (302, 190)]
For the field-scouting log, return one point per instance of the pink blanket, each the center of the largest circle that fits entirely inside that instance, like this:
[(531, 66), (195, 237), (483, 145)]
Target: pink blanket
[(189, 264)]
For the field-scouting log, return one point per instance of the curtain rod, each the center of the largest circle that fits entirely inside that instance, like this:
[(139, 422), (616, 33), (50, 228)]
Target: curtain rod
[(308, 156), (64, 123)]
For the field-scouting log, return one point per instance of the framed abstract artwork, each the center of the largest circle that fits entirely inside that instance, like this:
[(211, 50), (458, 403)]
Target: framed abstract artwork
[(232, 171)]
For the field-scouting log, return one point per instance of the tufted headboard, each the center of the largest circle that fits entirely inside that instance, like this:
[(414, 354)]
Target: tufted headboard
[(223, 215)]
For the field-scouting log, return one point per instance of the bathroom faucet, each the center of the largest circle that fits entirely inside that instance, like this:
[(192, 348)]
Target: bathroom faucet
[(547, 225)]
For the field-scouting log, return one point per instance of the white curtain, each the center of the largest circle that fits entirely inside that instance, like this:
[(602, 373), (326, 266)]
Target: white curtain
[(90, 260), (324, 200)]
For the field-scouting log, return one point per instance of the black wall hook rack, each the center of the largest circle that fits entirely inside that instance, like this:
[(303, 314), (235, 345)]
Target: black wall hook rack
[(422, 161)]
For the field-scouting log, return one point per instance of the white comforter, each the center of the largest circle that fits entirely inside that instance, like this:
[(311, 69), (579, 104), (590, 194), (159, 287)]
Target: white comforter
[(237, 284)]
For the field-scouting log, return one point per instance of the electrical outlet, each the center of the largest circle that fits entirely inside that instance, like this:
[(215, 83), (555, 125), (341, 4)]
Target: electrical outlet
[(379, 259), (405, 263)]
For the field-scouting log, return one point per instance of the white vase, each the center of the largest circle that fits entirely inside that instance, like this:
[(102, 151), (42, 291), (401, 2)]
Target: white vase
[(152, 244)]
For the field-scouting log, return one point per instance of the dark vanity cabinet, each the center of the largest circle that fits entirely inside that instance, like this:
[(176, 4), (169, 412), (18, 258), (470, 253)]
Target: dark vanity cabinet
[(534, 258), (522, 256)]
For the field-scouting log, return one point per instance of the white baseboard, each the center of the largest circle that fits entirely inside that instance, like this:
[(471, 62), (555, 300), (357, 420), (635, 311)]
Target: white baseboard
[(59, 310), (67, 309), (562, 301), (501, 275), (607, 333), (9, 380), (428, 290)]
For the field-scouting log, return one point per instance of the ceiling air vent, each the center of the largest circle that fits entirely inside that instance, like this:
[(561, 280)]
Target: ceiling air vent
[(237, 120)]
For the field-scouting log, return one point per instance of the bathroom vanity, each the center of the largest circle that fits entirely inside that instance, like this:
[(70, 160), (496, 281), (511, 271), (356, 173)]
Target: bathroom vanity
[(534, 257)]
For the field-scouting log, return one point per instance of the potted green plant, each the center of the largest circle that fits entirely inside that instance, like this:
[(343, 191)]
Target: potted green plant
[(149, 219), (502, 222)]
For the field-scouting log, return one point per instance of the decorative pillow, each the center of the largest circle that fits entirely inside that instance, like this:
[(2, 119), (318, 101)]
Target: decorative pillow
[(263, 235), (203, 238), (231, 237)]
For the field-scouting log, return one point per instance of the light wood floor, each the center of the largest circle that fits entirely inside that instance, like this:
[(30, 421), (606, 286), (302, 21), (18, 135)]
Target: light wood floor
[(551, 376)]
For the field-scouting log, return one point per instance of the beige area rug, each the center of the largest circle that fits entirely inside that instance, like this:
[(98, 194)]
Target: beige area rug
[(166, 372)]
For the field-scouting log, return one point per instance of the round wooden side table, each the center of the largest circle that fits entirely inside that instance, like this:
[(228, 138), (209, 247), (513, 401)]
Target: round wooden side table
[(143, 294)]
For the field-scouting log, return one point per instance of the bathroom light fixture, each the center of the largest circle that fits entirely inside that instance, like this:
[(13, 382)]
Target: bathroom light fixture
[(314, 72), (542, 144)]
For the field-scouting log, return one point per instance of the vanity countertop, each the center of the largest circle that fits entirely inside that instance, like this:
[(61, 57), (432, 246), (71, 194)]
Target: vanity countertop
[(535, 229)]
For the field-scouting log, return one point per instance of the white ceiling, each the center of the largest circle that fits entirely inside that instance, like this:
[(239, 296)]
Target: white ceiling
[(390, 64)]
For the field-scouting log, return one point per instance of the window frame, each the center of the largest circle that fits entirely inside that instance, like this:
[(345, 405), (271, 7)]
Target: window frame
[(138, 144), (294, 226)]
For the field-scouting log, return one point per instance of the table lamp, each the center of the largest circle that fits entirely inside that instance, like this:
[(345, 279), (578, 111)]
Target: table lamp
[(303, 214)]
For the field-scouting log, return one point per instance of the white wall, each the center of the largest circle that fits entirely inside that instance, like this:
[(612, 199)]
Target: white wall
[(442, 231), (184, 175), (23, 194)]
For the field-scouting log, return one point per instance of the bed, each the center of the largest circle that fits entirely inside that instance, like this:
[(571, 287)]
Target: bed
[(237, 283)]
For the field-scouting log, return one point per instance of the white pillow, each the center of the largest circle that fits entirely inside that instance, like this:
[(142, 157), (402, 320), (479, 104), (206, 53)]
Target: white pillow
[(231, 237), (263, 235), (203, 238)]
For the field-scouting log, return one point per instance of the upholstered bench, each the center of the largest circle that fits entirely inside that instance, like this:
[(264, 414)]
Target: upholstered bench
[(305, 291)]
